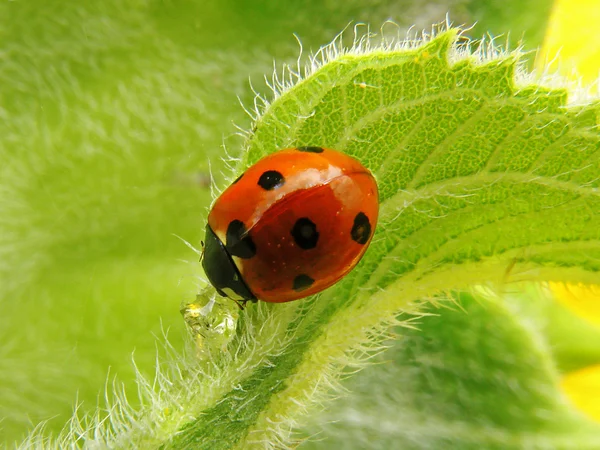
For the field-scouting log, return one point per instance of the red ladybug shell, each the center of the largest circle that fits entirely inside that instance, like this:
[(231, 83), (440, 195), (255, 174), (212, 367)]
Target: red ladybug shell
[(292, 225)]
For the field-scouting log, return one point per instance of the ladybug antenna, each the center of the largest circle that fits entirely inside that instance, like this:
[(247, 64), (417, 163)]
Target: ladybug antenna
[(191, 247)]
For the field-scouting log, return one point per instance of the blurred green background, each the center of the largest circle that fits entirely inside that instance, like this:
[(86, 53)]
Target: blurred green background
[(112, 115)]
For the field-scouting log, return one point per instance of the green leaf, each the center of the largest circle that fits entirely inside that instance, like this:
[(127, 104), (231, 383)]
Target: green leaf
[(475, 374), (572, 340), (474, 174), (483, 176)]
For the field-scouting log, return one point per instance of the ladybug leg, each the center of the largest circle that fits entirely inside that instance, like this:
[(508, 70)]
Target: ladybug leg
[(240, 304)]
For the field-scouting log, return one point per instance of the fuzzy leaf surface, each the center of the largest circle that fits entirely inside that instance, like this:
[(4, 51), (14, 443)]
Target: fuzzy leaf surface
[(483, 177)]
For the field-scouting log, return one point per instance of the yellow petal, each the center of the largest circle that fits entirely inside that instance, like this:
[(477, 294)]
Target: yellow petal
[(572, 35), (582, 300), (582, 387)]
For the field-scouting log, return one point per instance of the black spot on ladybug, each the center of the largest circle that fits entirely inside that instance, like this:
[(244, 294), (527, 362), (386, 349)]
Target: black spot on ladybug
[(361, 230), (270, 180), (237, 179), (302, 282), (238, 242), (305, 233), (311, 149)]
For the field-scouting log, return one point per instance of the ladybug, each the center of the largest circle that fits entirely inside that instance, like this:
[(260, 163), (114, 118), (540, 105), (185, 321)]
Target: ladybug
[(293, 224)]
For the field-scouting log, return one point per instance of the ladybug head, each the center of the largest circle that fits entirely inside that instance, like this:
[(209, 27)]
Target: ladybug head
[(222, 271)]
